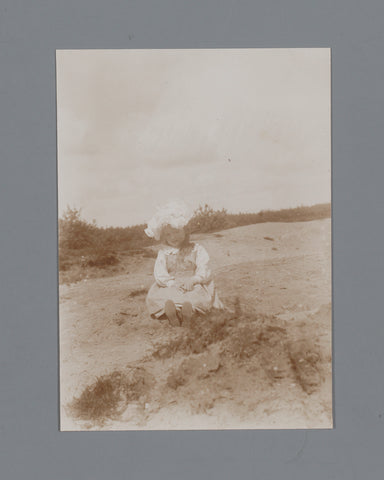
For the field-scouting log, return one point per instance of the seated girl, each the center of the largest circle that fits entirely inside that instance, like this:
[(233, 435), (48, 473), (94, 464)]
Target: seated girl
[(183, 282)]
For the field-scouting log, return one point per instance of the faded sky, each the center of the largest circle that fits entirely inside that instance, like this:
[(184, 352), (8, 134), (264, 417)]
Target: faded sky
[(242, 129)]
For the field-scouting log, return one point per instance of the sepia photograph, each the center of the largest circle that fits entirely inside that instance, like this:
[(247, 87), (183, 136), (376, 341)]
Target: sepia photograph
[(194, 239)]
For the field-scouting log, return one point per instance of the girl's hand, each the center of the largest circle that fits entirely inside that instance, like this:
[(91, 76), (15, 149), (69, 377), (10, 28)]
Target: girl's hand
[(188, 284), (179, 284)]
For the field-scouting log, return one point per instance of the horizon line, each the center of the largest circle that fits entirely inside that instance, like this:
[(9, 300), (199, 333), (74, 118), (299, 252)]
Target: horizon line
[(94, 221)]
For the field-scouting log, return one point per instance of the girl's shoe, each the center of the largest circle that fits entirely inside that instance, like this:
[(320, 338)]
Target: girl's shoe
[(186, 313), (170, 312)]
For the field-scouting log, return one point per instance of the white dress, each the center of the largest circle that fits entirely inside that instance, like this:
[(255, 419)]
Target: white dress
[(172, 266)]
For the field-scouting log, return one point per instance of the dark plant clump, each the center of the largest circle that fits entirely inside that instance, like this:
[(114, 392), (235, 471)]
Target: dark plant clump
[(306, 361), (110, 395), (204, 331), (138, 292), (206, 219), (103, 260), (243, 337), (241, 332), (244, 342), (238, 329)]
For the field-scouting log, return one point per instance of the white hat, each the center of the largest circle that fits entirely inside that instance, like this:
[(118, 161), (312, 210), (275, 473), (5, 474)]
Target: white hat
[(175, 214)]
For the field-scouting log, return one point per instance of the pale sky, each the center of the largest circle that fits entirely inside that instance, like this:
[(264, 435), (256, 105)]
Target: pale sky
[(241, 129)]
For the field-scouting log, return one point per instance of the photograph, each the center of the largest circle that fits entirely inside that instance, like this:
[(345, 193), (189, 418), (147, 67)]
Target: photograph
[(194, 239)]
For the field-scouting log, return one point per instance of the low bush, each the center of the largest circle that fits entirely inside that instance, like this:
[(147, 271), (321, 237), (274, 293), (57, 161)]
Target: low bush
[(110, 395), (206, 219), (103, 260)]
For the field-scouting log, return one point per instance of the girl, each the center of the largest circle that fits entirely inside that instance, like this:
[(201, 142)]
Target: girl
[(183, 280)]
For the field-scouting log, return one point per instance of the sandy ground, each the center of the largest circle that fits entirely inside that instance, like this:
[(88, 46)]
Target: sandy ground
[(281, 275)]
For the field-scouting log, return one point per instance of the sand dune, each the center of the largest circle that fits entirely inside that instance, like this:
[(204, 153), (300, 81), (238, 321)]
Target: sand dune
[(269, 366)]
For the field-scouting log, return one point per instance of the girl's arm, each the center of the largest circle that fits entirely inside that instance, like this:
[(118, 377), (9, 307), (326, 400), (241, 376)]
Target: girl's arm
[(162, 277), (202, 273)]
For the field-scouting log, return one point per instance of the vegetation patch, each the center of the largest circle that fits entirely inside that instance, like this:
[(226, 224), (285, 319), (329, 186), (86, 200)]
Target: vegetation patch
[(102, 260), (204, 331), (109, 395), (242, 340), (306, 362), (138, 292), (198, 367)]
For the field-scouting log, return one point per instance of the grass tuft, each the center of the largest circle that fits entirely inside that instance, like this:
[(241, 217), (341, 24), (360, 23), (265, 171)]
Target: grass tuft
[(110, 395)]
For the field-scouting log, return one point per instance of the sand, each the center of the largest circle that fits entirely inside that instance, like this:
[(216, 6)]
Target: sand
[(266, 366)]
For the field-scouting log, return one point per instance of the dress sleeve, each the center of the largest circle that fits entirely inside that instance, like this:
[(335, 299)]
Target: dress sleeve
[(202, 272), (162, 277)]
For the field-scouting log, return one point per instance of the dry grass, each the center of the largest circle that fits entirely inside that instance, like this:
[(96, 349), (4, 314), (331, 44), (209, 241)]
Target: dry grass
[(242, 338), (204, 331), (306, 363), (138, 292), (110, 395)]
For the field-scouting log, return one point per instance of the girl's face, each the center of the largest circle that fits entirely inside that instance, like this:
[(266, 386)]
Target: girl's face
[(173, 236)]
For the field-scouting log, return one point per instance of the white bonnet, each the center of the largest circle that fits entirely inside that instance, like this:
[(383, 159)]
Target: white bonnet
[(176, 214)]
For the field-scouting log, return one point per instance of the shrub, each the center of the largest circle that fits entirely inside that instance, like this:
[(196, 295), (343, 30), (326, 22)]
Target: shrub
[(74, 232), (103, 260), (110, 394), (206, 219)]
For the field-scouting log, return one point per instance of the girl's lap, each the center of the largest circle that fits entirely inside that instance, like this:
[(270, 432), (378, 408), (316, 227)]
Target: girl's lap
[(199, 297)]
